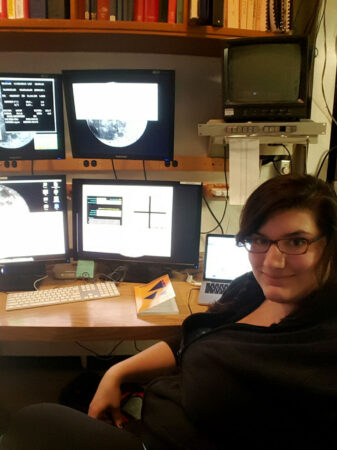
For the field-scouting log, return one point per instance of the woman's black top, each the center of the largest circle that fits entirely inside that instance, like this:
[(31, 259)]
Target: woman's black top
[(239, 384)]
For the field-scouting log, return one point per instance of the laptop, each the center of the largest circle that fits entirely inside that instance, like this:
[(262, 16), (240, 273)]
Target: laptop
[(223, 262)]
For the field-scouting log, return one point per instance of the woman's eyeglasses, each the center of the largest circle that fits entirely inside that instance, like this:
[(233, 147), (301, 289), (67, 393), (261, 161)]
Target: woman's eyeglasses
[(288, 246)]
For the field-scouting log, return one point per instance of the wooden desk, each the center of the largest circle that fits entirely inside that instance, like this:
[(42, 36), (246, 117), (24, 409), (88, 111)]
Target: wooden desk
[(105, 319)]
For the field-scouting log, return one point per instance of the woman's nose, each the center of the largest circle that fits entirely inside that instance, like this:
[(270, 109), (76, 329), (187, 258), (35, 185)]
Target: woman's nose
[(274, 257)]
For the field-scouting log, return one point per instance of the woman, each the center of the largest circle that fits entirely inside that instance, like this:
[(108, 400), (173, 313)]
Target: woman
[(259, 368)]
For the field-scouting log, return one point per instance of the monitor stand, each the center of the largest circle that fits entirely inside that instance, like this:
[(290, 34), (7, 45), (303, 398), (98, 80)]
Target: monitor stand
[(20, 276)]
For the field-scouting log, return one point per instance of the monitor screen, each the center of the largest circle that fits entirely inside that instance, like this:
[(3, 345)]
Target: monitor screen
[(125, 114), (266, 79), (33, 224), (137, 221), (31, 117)]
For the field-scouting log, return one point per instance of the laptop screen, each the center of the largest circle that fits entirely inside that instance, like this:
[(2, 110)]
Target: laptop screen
[(224, 260)]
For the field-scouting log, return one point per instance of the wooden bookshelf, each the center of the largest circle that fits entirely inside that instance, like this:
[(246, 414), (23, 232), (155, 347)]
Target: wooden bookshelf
[(68, 35)]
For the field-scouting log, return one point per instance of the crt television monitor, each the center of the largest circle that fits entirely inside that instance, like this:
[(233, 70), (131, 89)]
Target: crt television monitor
[(33, 228), (266, 79), (31, 117), (124, 114), (140, 224)]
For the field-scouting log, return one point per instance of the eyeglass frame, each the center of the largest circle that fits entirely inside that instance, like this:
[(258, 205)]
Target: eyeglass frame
[(276, 242)]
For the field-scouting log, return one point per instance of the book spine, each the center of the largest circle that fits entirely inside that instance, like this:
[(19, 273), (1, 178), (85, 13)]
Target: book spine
[(21, 9), (93, 9), (180, 11), (11, 9), (250, 14), (163, 10), (172, 11), (59, 9), (151, 11), (243, 14), (87, 13), (138, 11), (81, 9), (204, 12), (102, 10), (217, 13), (233, 14), (119, 9), (193, 12), (112, 10), (3, 9)]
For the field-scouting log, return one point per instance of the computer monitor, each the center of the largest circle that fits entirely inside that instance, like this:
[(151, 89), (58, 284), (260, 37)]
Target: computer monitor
[(33, 228), (31, 117), (267, 79), (121, 113), (147, 226)]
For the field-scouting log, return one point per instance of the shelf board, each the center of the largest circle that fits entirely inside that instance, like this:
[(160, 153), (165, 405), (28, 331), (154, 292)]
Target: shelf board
[(71, 165), (54, 35)]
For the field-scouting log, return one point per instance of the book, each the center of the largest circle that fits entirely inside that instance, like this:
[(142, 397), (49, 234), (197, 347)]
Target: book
[(156, 297), (250, 14), (233, 16), (217, 13), (87, 9), (204, 12), (11, 9), (113, 10), (193, 17), (151, 11), (127, 11), (3, 9), (103, 7), (138, 11), (81, 9), (59, 9), (180, 11), (243, 14), (261, 16), (163, 10), (119, 13), (21, 9), (172, 11), (93, 9)]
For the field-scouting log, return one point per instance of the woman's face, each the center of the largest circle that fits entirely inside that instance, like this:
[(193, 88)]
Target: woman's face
[(288, 278)]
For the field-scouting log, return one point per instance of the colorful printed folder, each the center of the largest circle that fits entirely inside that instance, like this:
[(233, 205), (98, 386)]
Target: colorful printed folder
[(156, 297)]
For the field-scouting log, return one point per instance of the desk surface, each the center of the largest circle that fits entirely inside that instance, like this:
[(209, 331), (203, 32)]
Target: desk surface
[(104, 319)]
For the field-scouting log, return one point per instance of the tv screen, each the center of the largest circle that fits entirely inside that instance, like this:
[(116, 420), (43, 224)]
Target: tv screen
[(125, 114), (31, 117), (140, 222), (33, 227), (266, 79)]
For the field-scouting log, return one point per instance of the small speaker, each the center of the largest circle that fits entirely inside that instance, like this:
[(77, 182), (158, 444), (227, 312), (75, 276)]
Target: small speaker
[(65, 271)]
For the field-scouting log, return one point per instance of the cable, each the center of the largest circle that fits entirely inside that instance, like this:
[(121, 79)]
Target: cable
[(136, 347), (189, 299), (144, 170), (323, 160), (324, 64), (107, 356), (113, 168), (219, 222), (39, 279)]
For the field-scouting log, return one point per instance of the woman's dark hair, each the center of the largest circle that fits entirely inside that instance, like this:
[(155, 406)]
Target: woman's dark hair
[(286, 192)]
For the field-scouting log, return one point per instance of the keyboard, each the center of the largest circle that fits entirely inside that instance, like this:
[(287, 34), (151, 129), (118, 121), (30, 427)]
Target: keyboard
[(216, 288), (57, 296)]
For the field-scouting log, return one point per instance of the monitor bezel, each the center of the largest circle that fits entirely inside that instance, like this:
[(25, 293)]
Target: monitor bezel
[(47, 259), (29, 154), (87, 75), (79, 253), (268, 111)]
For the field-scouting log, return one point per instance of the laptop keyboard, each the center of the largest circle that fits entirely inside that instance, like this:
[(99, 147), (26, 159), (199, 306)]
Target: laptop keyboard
[(216, 288)]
